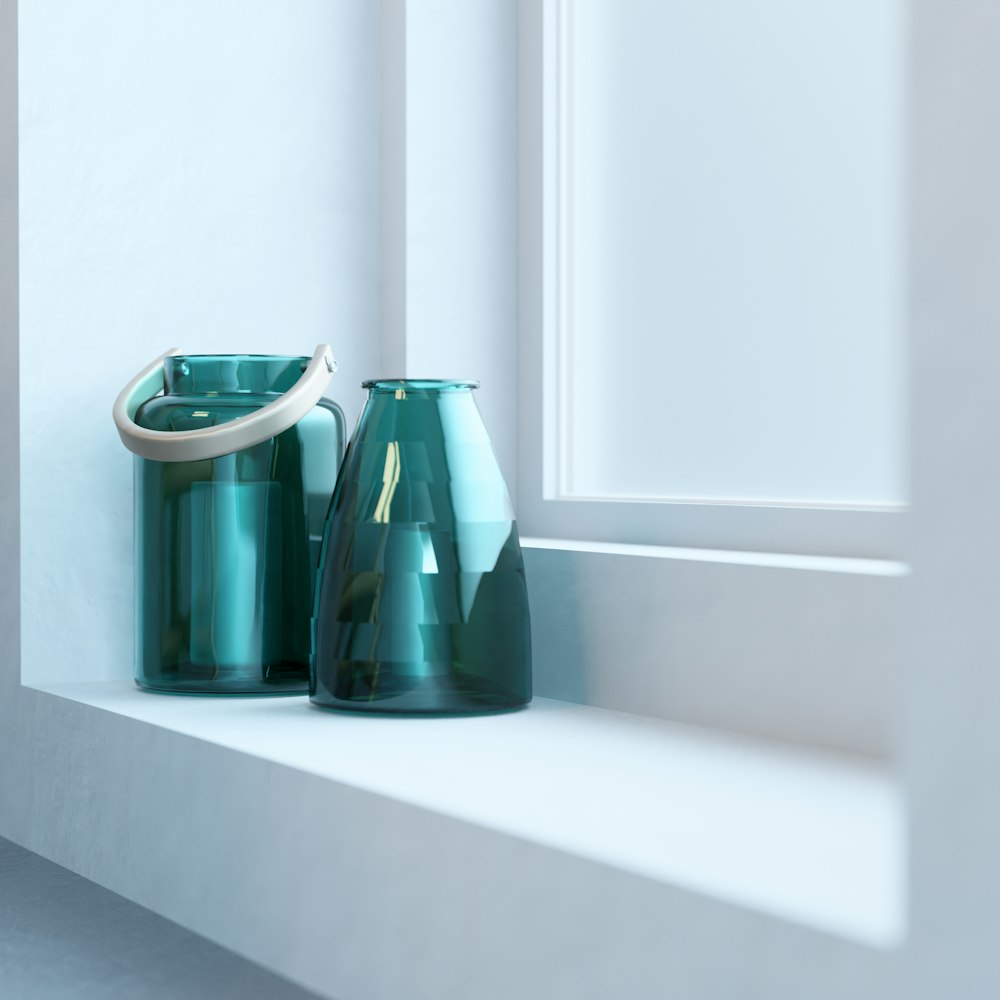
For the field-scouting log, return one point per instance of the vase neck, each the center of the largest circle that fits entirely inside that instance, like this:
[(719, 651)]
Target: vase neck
[(429, 386)]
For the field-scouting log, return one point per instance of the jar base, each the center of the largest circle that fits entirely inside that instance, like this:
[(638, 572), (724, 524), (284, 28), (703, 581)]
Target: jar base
[(278, 691), (283, 679)]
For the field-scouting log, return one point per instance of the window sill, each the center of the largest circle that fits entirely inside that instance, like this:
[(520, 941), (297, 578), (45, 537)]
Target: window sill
[(802, 649), (778, 836)]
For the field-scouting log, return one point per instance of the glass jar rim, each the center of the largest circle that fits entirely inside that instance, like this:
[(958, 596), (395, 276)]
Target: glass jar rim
[(227, 374), (251, 358)]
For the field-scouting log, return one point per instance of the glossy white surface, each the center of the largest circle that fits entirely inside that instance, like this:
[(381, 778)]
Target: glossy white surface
[(812, 838)]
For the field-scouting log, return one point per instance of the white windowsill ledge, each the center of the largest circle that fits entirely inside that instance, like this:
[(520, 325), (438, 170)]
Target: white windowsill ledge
[(812, 838), (767, 560)]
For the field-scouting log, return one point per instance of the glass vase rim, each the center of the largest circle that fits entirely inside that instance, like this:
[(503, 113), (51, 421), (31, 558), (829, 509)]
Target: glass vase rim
[(419, 384)]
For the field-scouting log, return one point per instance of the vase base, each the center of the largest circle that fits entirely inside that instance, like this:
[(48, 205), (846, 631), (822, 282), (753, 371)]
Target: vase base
[(451, 711)]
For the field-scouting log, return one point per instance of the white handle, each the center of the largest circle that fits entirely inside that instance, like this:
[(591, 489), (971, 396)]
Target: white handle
[(211, 442)]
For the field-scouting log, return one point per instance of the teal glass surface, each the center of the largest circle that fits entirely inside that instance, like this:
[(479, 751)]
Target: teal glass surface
[(422, 604), (226, 548)]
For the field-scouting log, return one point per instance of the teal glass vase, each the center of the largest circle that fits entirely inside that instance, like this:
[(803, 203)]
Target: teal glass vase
[(422, 605), (226, 547)]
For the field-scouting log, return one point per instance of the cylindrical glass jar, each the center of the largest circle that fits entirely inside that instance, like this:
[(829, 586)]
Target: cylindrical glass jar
[(422, 604), (226, 547)]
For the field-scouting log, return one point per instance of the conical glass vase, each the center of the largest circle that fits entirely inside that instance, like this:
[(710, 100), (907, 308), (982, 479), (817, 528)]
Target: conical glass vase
[(422, 605)]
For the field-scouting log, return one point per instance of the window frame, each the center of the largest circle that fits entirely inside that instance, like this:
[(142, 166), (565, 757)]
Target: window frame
[(545, 507)]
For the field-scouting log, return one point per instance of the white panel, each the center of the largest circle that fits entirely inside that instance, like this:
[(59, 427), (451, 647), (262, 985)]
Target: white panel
[(197, 173), (732, 181)]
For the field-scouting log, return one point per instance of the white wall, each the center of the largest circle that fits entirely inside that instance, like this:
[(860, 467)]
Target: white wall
[(201, 174), (953, 709)]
